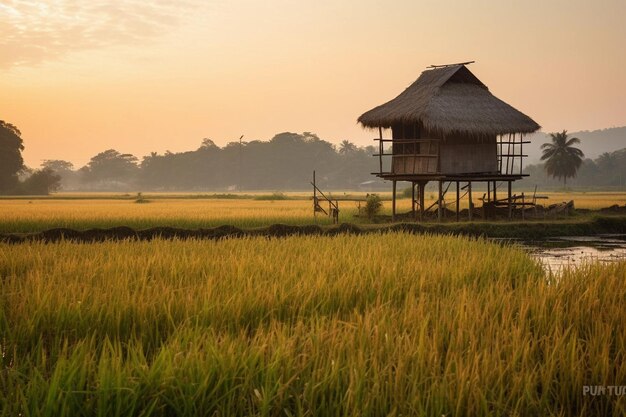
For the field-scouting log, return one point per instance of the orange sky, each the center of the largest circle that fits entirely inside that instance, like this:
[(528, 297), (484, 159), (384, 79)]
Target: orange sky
[(141, 76)]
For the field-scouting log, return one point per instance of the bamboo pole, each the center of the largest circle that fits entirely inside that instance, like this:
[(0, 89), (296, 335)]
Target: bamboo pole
[(508, 153), (314, 198), (458, 203), (393, 202), (495, 198), (521, 152), (471, 204), (440, 202), (381, 149), (509, 201), (421, 187), (413, 200), (500, 159)]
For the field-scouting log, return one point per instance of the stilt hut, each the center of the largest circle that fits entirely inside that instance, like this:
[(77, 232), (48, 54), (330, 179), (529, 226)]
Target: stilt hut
[(447, 127)]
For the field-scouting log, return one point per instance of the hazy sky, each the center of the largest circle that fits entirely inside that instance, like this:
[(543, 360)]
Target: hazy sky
[(78, 77)]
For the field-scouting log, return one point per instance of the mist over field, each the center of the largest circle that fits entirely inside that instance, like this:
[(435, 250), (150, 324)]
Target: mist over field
[(287, 161)]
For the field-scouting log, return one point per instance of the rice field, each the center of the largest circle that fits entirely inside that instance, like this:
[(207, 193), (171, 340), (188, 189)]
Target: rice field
[(370, 325), (78, 211), (20, 216), (589, 200)]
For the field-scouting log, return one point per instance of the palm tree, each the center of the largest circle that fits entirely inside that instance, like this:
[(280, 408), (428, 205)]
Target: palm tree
[(346, 147), (562, 159)]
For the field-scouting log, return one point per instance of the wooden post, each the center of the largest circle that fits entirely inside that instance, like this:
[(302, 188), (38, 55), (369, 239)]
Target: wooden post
[(509, 201), (471, 205), (523, 206), (483, 210), (495, 198), (413, 200), (381, 149), (521, 152), (393, 202), (421, 186), (314, 198), (488, 192), (440, 202), (458, 197), (508, 155)]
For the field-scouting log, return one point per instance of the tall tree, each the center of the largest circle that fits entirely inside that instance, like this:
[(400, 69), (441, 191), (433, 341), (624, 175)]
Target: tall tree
[(64, 170), (111, 165), (562, 158), (58, 165), (11, 162)]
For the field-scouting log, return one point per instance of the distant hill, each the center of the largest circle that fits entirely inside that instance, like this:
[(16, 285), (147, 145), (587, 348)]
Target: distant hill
[(593, 143)]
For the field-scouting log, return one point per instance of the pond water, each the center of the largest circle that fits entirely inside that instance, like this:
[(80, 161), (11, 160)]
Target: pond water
[(571, 251)]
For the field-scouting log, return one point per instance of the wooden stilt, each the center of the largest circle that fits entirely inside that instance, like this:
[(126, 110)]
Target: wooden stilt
[(393, 202), (523, 206), (495, 198), (509, 201), (421, 187), (458, 197), (471, 205), (488, 192), (381, 149), (314, 198), (413, 200), (440, 202)]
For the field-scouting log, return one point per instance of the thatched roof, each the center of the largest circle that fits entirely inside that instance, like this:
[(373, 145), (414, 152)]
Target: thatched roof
[(450, 99)]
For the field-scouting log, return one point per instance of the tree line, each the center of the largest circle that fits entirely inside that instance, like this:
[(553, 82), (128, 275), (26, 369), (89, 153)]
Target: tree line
[(564, 160), (608, 171), (286, 162)]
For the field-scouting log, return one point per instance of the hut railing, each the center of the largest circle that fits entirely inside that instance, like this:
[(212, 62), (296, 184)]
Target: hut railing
[(408, 156), (510, 154)]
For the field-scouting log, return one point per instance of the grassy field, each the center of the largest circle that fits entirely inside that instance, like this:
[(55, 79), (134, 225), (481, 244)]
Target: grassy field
[(360, 326), (192, 211)]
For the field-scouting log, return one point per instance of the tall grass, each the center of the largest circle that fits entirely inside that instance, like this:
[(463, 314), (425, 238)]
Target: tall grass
[(369, 325)]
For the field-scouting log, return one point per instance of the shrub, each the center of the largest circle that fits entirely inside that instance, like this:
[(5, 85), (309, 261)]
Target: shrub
[(373, 205)]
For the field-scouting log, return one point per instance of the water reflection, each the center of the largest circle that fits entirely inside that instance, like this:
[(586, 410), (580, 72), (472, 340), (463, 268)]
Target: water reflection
[(572, 251)]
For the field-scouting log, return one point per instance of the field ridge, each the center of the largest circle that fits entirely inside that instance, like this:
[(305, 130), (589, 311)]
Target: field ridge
[(521, 230)]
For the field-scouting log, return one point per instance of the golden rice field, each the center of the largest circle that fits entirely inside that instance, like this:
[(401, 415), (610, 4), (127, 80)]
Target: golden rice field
[(36, 215), (91, 210), (372, 325)]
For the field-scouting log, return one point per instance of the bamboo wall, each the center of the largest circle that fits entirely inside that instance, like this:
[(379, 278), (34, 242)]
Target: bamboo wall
[(456, 154)]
